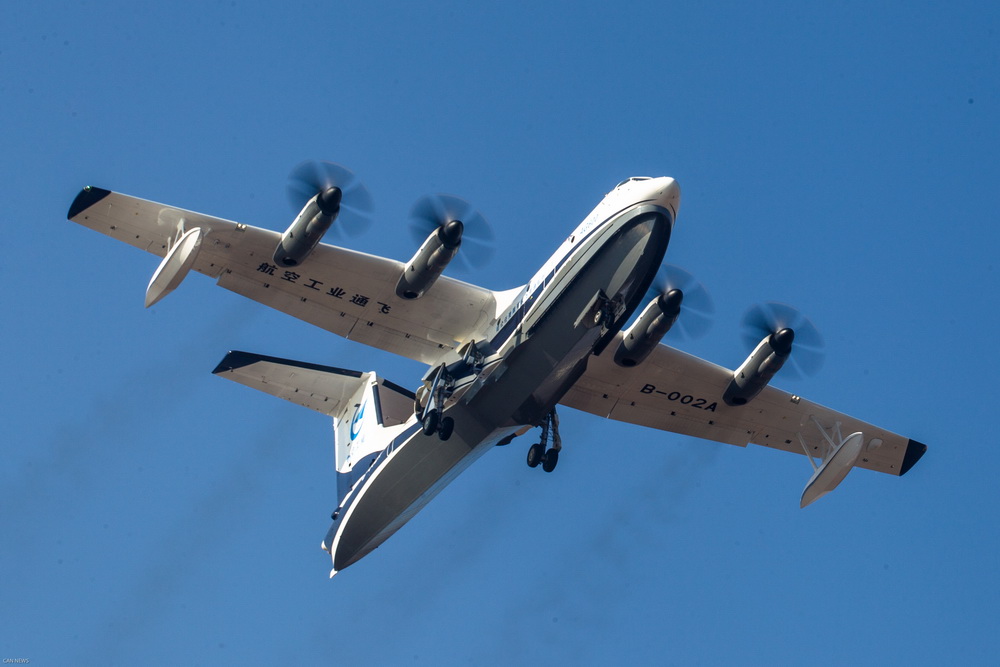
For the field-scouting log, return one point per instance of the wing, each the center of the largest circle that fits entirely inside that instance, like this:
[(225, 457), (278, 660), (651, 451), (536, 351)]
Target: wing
[(345, 292), (677, 392)]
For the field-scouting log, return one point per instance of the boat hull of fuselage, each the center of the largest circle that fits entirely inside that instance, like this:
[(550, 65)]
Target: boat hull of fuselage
[(539, 367)]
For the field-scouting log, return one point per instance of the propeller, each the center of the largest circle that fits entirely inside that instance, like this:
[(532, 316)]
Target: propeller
[(770, 317), (433, 211), (697, 308), (314, 177)]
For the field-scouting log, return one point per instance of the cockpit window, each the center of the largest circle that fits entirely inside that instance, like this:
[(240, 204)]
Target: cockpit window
[(634, 178)]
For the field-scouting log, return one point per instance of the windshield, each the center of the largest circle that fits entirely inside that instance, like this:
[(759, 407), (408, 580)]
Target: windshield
[(634, 178)]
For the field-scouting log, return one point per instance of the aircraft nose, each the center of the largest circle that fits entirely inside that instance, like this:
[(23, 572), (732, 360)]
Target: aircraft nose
[(667, 193)]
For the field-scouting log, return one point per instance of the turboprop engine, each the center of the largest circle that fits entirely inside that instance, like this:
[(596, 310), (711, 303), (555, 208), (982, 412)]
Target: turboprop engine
[(308, 227), (647, 331), (430, 261), (754, 374), (441, 223), (321, 192)]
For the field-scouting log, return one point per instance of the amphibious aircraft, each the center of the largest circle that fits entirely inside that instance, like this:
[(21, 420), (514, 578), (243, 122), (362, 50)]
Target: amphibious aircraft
[(499, 362)]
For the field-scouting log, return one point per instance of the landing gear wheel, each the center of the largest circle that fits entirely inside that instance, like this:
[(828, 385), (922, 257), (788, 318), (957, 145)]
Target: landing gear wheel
[(446, 428), (550, 460), (535, 455), (431, 422)]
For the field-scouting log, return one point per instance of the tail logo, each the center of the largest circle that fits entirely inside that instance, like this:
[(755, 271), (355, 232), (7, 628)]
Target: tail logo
[(359, 417)]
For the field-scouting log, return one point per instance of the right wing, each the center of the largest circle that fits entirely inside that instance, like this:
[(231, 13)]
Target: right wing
[(348, 293), (678, 392)]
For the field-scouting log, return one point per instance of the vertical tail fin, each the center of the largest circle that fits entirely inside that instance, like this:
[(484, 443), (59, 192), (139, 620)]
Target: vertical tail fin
[(366, 426), (368, 412)]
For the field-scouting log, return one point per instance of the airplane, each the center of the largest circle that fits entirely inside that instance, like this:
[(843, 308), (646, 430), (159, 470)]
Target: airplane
[(498, 362)]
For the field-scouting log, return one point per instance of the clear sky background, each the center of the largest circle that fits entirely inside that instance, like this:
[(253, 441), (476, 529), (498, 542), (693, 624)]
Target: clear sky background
[(841, 157)]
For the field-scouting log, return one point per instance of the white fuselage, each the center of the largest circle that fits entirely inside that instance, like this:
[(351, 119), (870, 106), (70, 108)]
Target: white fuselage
[(538, 346)]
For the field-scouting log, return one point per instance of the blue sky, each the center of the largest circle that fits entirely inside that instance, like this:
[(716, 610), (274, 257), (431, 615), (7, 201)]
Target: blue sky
[(841, 157)]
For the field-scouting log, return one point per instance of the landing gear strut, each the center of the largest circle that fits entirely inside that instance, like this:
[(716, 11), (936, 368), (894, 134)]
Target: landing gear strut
[(538, 453), (442, 386), (431, 419)]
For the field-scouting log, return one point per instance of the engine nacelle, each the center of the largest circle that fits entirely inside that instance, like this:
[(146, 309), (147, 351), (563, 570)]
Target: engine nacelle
[(766, 359), (426, 266), (305, 232), (646, 332)]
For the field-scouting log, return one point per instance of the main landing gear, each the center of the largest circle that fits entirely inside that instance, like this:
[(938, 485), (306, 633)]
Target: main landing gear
[(431, 419), (538, 453), (442, 386)]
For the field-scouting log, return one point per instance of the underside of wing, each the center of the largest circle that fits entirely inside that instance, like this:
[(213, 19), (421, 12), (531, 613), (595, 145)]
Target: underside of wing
[(325, 389), (348, 293), (675, 391), (321, 388)]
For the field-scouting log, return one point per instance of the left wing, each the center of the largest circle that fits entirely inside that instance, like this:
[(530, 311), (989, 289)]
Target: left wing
[(675, 391), (345, 292)]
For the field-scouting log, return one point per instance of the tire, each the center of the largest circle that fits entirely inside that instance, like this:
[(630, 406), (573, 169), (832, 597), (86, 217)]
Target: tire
[(550, 460), (431, 422), (535, 454), (446, 428)]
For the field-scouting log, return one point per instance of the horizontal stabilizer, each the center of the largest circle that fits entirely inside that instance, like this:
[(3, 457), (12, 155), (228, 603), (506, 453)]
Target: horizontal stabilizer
[(324, 389)]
